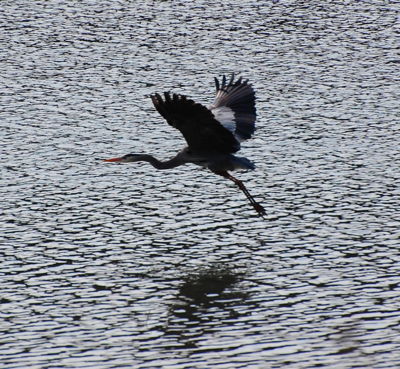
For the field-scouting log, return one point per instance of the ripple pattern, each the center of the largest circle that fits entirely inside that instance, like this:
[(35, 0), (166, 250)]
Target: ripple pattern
[(120, 266)]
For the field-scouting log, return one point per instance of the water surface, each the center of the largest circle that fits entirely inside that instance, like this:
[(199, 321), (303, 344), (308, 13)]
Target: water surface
[(114, 266)]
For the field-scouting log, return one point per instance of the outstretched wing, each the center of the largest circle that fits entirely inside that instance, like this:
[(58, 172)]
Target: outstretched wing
[(201, 130), (234, 107)]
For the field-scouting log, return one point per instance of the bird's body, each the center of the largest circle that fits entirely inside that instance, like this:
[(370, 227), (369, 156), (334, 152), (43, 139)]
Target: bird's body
[(214, 162), (213, 134)]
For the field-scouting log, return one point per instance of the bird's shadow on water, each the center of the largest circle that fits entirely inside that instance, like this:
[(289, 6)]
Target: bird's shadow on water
[(204, 286), (207, 295)]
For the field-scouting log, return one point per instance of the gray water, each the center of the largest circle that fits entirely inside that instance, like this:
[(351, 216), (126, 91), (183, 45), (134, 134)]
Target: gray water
[(123, 266)]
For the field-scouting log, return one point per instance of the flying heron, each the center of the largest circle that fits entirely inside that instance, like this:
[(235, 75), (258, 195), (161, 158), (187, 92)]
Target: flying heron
[(213, 134)]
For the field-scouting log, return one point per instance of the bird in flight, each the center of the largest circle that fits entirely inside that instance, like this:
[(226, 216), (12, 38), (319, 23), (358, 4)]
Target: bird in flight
[(212, 134)]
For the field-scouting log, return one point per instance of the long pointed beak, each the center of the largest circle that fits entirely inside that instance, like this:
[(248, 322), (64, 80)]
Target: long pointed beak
[(113, 159)]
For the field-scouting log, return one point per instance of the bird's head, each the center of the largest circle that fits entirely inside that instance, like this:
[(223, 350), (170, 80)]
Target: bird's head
[(128, 158)]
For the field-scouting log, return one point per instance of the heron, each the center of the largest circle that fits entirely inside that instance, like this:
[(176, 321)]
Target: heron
[(213, 134)]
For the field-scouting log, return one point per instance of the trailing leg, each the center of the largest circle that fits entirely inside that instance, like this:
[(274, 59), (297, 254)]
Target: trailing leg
[(258, 207)]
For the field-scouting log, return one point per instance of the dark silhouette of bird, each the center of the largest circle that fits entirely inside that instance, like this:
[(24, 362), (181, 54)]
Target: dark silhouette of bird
[(213, 134)]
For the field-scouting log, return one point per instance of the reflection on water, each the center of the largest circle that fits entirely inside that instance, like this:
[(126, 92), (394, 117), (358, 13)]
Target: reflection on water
[(207, 297), (201, 286), (124, 266)]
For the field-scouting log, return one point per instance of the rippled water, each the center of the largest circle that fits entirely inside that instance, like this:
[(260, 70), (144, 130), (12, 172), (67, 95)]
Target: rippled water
[(121, 266)]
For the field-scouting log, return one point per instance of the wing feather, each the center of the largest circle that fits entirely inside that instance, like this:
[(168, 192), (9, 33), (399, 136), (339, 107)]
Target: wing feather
[(234, 106), (201, 130)]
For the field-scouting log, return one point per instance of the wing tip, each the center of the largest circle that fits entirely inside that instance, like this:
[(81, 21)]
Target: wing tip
[(225, 84)]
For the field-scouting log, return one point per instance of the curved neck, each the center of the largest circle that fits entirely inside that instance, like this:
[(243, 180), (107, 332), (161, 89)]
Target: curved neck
[(172, 163)]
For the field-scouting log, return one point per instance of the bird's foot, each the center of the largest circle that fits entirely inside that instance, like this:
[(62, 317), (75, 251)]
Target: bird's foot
[(259, 209)]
